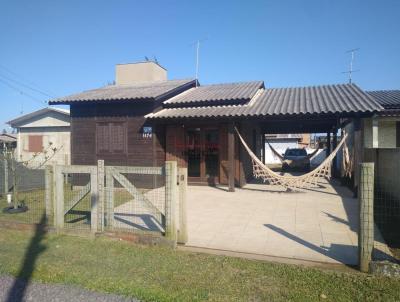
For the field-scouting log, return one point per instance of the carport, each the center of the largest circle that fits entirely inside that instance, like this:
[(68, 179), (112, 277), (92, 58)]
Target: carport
[(318, 223)]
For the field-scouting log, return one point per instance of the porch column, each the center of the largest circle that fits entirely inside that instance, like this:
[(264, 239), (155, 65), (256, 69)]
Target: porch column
[(231, 157), (334, 163)]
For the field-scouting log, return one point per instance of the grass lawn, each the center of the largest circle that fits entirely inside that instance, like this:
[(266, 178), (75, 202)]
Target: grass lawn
[(76, 218), (161, 274)]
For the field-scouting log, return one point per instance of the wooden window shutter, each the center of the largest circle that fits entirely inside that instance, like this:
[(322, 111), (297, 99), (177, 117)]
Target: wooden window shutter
[(35, 143), (103, 138), (117, 137), (111, 137)]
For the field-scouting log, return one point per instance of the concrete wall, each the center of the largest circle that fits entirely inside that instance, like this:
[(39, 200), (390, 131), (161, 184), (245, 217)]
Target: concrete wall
[(386, 132), (58, 136), (126, 74)]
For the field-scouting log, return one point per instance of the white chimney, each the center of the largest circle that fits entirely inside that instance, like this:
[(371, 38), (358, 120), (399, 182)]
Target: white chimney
[(131, 73)]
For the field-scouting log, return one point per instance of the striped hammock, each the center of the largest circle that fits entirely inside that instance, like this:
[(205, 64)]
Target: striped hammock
[(310, 179)]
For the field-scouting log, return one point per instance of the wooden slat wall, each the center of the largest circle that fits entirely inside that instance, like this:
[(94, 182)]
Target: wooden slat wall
[(140, 151), (175, 141)]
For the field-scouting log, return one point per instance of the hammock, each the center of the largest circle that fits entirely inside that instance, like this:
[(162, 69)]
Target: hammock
[(348, 161), (309, 156), (291, 182)]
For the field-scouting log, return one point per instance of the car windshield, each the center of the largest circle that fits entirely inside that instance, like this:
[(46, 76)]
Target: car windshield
[(296, 152)]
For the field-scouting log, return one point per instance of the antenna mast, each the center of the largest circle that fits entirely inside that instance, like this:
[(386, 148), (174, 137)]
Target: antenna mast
[(197, 57), (197, 60), (350, 71)]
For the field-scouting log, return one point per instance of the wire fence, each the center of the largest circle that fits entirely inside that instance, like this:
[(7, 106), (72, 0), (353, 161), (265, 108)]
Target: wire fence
[(387, 197), (135, 201), (77, 201), (22, 192)]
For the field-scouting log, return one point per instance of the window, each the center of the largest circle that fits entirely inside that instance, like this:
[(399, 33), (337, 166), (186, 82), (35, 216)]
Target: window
[(35, 143), (111, 137)]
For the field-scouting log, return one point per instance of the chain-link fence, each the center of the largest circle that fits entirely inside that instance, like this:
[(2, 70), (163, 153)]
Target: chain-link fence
[(22, 192), (387, 197)]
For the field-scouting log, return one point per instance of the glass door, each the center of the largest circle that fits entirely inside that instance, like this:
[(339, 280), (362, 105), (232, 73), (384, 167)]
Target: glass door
[(193, 150), (202, 150)]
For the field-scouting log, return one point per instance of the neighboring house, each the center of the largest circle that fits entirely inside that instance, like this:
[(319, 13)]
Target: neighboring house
[(280, 142), (8, 141), (40, 133), (385, 124), (382, 147), (145, 119)]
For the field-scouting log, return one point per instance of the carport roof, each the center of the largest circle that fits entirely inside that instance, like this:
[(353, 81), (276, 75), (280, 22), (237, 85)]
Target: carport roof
[(217, 94), (325, 99)]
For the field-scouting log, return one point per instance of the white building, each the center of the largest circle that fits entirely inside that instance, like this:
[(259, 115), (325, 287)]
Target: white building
[(43, 136)]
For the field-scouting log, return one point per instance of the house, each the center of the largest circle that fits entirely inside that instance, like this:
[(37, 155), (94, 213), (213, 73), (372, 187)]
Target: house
[(43, 137), (145, 119), (7, 141), (384, 124), (280, 142), (382, 146)]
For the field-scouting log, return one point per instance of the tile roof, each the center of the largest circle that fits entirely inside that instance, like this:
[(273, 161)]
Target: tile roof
[(387, 98), (326, 99), (8, 138), (229, 93), (137, 91)]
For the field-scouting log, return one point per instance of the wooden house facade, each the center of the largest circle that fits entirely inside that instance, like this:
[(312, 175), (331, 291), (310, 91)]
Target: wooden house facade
[(144, 123)]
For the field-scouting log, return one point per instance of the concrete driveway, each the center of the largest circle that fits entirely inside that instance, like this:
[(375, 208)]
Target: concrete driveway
[(319, 224)]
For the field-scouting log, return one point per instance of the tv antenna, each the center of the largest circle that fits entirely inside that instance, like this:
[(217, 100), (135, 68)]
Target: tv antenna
[(350, 71), (197, 43)]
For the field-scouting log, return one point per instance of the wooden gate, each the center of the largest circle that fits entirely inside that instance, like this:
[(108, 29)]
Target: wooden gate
[(102, 198)]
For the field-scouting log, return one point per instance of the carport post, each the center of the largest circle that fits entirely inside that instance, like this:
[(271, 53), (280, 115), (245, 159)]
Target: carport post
[(334, 162), (366, 227), (328, 144), (231, 157)]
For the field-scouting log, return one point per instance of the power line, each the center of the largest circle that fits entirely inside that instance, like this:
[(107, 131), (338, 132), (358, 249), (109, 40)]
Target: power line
[(27, 86), (22, 92), (31, 85)]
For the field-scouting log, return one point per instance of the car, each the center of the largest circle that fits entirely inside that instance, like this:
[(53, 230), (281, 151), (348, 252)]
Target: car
[(296, 159)]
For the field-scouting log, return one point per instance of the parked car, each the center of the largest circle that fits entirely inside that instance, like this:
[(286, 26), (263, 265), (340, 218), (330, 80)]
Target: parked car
[(296, 159)]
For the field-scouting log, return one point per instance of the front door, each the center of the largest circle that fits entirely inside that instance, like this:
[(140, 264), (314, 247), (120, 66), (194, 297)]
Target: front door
[(202, 149)]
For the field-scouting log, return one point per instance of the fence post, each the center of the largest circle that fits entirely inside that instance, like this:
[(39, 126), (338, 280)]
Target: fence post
[(366, 227), (6, 187), (94, 200), (110, 198), (59, 198), (49, 192), (182, 232), (170, 199), (100, 186)]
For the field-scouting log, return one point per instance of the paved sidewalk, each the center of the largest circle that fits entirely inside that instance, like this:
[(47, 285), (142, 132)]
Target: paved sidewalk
[(51, 293)]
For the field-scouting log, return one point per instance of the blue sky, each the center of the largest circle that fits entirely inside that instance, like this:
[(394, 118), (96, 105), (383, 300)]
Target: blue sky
[(65, 47)]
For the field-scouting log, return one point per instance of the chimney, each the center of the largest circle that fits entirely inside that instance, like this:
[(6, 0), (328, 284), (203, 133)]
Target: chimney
[(131, 73)]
